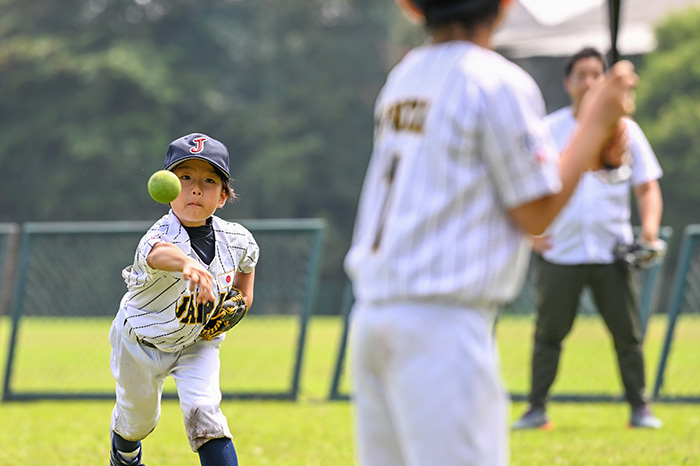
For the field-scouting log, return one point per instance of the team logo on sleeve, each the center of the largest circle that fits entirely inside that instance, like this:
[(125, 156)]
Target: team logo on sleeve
[(530, 143), (225, 280), (199, 145)]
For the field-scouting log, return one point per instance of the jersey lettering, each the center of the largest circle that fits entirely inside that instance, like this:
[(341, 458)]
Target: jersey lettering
[(189, 313), (406, 115), (182, 307)]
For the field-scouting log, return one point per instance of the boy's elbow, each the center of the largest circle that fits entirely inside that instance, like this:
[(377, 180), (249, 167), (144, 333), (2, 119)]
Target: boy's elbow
[(535, 230), (532, 228), (530, 218)]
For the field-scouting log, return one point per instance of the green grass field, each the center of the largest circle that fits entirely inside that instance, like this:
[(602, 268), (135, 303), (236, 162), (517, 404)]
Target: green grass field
[(315, 432)]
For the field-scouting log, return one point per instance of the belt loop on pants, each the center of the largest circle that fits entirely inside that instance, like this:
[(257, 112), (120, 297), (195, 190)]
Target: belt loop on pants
[(145, 342)]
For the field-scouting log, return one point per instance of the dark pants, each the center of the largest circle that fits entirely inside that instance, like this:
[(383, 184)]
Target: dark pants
[(614, 292)]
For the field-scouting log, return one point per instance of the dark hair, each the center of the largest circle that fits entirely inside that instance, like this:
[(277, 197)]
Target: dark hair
[(226, 185), (468, 13), (586, 52)]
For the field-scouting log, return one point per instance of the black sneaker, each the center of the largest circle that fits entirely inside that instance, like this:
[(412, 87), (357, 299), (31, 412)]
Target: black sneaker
[(642, 418), (534, 418)]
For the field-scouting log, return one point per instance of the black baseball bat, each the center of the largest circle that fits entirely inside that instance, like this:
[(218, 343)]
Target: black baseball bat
[(614, 17)]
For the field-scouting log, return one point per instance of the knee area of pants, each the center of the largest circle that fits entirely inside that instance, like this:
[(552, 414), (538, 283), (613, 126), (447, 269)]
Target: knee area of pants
[(202, 421), (628, 348), (140, 431), (199, 410), (550, 341), (134, 428)]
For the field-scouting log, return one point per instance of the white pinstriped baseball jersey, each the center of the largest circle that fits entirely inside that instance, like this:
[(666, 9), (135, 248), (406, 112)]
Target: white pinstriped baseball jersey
[(158, 305), (459, 139), (597, 215)]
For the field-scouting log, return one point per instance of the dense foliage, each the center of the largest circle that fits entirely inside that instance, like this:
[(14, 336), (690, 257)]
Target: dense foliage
[(669, 112), (94, 90)]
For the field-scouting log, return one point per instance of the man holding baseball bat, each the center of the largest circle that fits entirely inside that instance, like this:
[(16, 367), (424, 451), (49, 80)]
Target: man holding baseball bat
[(579, 250)]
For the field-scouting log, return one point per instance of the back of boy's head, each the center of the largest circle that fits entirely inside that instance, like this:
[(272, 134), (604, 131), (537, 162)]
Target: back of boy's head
[(468, 13)]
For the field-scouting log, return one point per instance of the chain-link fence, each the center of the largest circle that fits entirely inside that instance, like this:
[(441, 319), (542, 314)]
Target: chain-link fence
[(9, 236), (676, 376), (588, 369), (68, 286)]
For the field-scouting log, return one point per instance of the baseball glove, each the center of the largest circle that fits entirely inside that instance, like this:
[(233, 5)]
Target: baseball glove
[(641, 254), (232, 310)]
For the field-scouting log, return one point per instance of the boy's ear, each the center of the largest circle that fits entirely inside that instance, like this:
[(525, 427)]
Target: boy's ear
[(412, 12), (222, 199)]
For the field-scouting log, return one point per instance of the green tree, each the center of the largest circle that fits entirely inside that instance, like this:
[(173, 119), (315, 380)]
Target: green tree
[(92, 91), (668, 109)]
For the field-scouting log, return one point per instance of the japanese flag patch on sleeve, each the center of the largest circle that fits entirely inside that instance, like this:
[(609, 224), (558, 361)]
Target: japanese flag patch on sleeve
[(226, 279)]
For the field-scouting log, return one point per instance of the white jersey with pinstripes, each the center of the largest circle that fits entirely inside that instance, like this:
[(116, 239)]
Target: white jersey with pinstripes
[(459, 140), (158, 306)]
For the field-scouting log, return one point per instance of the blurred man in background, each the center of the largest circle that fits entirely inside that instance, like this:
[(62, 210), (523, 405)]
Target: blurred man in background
[(577, 251)]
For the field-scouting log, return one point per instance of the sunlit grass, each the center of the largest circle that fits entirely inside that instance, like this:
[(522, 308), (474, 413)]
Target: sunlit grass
[(314, 432)]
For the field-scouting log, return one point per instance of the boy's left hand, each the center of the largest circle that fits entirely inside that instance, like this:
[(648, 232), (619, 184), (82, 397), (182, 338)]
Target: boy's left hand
[(232, 310)]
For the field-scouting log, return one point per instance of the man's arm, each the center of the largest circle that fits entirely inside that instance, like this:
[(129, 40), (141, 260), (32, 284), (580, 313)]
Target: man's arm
[(650, 206)]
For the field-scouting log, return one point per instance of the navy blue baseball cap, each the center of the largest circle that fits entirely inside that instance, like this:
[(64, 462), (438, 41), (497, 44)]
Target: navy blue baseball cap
[(198, 146)]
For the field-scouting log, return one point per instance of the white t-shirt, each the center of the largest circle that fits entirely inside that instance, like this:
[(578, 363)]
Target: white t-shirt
[(158, 305), (463, 129), (597, 216)]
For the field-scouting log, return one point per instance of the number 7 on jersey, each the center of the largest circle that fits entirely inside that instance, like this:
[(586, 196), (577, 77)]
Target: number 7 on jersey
[(389, 176)]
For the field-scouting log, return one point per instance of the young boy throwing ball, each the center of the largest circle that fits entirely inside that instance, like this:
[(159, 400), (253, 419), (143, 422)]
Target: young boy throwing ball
[(184, 268), (463, 167)]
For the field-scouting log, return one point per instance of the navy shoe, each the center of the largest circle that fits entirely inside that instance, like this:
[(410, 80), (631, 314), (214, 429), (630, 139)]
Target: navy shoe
[(117, 460), (534, 418)]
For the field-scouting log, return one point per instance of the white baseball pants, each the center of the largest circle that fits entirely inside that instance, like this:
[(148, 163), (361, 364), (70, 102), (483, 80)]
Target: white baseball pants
[(426, 387), (140, 372)]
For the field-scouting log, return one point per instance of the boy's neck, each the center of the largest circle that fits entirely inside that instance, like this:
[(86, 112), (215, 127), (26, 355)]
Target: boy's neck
[(479, 35)]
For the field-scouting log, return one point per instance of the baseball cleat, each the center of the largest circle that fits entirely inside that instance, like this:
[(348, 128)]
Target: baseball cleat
[(117, 460), (534, 418)]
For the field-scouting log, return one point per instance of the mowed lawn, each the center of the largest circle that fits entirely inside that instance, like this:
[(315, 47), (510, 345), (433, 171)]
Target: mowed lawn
[(70, 356)]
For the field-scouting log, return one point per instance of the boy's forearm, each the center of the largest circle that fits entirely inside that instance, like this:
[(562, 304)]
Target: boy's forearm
[(581, 155), (167, 257), (245, 282), (599, 118)]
